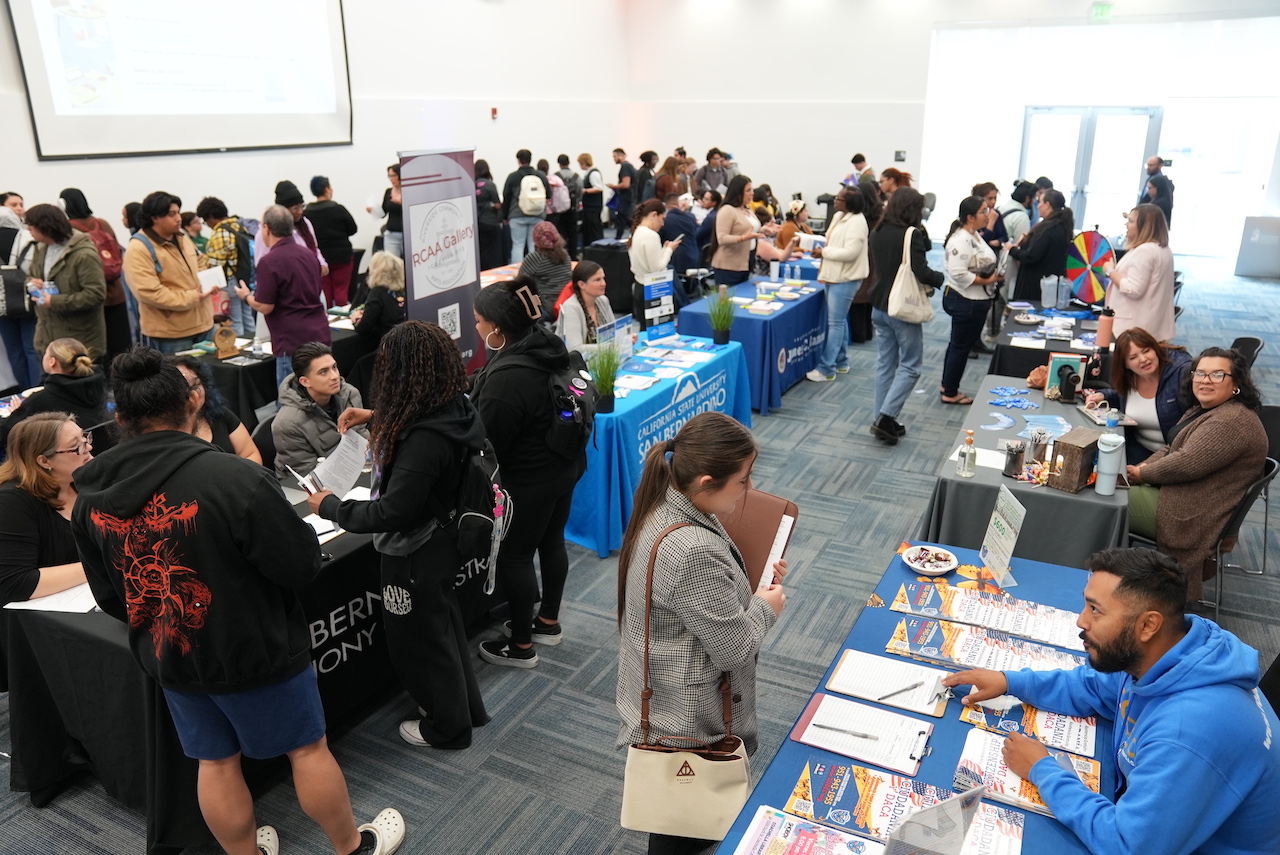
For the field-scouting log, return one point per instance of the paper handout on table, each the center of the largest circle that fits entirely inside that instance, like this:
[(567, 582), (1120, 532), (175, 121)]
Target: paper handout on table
[(342, 324), (865, 733), (1022, 618), (956, 645), (982, 762), (1058, 730), (1001, 537), (634, 381), (1028, 343), (885, 680), (872, 803), (773, 832), (77, 599)]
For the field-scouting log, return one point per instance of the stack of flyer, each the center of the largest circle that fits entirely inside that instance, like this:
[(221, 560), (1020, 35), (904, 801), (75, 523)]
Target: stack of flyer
[(872, 803), (982, 763), (1021, 618), (956, 645), (1057, 730)]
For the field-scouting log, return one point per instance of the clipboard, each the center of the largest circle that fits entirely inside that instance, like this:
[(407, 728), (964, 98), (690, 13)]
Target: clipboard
[(760, 525), (897, 742), (881, 679)]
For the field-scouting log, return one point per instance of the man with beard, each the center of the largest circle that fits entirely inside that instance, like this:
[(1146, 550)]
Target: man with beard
[(1194, 739)]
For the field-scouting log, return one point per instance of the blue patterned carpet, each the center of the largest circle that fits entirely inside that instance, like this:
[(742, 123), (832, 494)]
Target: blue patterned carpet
[(543, 777)]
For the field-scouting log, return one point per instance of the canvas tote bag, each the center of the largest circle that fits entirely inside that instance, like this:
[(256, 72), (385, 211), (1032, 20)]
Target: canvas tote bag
[(678, 785), (908, 300)]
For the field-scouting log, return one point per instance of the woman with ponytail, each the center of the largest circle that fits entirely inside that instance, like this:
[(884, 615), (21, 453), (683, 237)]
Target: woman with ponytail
[(73, 384), (646, 250), (511, 396), (1043, 250), (971, 282), (705, 622)]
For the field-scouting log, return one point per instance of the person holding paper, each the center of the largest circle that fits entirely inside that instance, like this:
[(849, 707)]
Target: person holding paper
[(311, 398), (37, 552), (422, 426), (586, 311), (704, 619), (199, 553), (646, 249), (1194, 739), (69, 260), (160, 271)]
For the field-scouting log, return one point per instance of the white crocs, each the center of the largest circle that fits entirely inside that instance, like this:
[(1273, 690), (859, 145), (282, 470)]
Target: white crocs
[(268, 841), (388, 827)]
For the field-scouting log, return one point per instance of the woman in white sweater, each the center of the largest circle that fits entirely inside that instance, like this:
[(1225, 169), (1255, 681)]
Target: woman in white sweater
[(586, 311), (646, 250), (1141, 289), (844, 266)]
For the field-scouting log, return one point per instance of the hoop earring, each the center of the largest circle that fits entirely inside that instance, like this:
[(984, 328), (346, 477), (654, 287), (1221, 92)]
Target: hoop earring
[(1236, 391), (499, 347)]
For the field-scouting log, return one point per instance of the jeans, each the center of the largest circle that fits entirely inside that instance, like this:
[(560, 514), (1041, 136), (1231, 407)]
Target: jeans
[(521, 234), (242, 317), (19, 335), (284, 367), (835, 353), (898, 365), (170, 346), (967, 320), (730, 277), (393, 242)]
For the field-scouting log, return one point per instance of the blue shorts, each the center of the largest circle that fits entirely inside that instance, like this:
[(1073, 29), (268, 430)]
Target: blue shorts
[(260, 723)]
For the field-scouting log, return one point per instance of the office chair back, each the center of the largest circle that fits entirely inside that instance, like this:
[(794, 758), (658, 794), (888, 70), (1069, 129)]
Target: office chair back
[(1249, 347), (265, 442)]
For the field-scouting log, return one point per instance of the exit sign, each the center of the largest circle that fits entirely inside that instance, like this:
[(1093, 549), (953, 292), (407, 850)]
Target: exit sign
[(1100, 13)]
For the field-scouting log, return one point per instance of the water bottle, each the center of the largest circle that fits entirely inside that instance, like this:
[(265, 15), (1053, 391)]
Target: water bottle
[(1110, 457), (967, 458), (1064, 292), (1106, 324)]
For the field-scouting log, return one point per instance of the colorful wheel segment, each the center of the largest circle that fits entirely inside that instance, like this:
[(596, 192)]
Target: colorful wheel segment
[(1085, 259)]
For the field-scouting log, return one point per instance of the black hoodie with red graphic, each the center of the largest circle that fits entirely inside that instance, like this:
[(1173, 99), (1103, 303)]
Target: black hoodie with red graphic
[(198, 551)]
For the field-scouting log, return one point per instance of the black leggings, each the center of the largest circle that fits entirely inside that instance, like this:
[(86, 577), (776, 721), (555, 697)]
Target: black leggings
[(541, 511)]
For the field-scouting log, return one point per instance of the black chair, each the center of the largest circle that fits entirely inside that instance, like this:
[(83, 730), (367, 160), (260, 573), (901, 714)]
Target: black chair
[(265, 442), (1249, 347), (1270, 417), (1230, 534), (1270, 684)]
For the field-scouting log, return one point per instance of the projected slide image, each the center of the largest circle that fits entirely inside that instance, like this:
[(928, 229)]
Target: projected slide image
[(159, 57)]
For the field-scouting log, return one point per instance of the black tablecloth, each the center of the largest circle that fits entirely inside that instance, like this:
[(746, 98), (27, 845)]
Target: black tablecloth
[(1010, 361)]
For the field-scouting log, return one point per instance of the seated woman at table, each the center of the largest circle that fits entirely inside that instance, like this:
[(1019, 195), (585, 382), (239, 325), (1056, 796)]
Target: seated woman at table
[(586, 311), (845, 263), (767, 251), (1147, 378), (1141, 287), (1183, 495), (214, 420), (311, 398), (37, 552), (73, 384), (421, 426), (548, 265), (384, 306), (511, 396), (970, 268), (705, 622), (1043, 250), (796, 222)]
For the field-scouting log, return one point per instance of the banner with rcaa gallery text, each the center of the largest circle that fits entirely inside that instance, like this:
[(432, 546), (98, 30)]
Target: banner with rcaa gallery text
[(441, 246)]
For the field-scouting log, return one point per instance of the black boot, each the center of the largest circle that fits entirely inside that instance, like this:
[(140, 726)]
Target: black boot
[(899, 428), (883, 429)]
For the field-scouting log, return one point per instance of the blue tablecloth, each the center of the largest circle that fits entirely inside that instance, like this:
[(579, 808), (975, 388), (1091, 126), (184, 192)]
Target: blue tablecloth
[(615, 455), (805, 268), (1044, 583), (781, 347)]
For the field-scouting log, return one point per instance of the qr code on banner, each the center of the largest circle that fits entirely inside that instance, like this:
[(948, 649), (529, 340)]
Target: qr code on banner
[(450, 321)]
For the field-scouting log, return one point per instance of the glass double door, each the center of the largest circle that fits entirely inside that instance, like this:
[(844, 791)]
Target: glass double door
[(1094, 155)]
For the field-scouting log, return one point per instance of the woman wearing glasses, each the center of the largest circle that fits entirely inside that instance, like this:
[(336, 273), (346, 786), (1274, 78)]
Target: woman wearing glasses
[(1183, 494), (37, 553)]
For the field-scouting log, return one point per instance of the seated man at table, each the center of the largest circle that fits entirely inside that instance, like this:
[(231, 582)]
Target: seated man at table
[(198, 551), (305, 428), (1194, 739)]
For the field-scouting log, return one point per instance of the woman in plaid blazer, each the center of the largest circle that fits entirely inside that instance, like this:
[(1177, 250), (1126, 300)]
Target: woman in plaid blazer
[(705, 621)]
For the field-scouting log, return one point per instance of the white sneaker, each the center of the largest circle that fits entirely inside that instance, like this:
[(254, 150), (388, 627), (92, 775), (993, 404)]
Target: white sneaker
[(268, 841), (388, 827), (818, 377), (411, 732)]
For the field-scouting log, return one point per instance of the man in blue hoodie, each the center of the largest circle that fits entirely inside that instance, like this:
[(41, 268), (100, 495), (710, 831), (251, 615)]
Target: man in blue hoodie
[(1194, 739)]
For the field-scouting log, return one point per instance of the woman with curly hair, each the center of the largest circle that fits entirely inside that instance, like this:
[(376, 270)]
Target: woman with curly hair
[(215, 422), (421, 427)]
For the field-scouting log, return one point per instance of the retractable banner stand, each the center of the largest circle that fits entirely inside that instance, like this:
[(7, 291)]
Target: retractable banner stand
[(441, 249)]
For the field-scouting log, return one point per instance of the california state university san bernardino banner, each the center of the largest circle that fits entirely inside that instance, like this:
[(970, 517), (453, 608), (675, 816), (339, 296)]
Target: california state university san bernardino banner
[(441, 249)]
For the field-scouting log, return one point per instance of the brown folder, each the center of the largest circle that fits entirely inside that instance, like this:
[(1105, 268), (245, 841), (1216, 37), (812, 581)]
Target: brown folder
[(754, 524)]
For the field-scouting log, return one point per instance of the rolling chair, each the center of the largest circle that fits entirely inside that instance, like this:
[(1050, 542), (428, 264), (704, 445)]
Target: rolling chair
[(1249, 347), (1230, 534), (1270, 417), (265, 442)]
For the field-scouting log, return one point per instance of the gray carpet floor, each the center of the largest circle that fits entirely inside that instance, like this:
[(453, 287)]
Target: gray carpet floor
[(544, 777)]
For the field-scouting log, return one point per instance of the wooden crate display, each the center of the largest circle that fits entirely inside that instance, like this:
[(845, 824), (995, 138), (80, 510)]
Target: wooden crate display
[(1073, 456)]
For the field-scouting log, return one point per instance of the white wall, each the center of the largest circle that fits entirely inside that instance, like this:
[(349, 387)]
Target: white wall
[(791, 88)]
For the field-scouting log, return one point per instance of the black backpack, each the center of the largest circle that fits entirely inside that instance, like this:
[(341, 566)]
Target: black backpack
[(15, 302), (483, 511), (573, 397)]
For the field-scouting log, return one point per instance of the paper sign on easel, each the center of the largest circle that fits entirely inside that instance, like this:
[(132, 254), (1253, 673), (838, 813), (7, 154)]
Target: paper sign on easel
[(659, 305), (1001, 537)]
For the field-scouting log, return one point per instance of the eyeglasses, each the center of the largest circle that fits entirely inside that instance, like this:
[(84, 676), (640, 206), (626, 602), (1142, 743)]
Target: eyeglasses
[(1215, 376), (86, 443)]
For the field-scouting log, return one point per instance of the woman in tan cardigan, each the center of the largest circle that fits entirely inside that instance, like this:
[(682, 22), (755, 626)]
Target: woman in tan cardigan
[(737, 229), (1216, 451)]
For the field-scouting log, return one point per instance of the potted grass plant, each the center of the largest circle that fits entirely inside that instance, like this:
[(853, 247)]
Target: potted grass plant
[(604, 365), (720, 309)]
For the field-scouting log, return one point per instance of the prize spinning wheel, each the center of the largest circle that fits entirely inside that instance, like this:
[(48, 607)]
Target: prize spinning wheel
[(1086, 256)]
